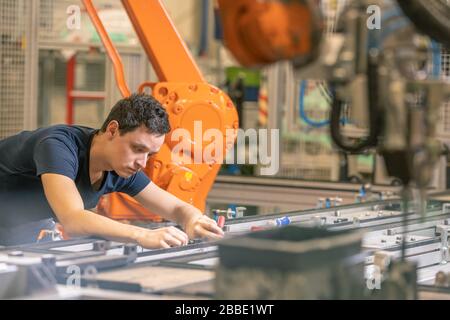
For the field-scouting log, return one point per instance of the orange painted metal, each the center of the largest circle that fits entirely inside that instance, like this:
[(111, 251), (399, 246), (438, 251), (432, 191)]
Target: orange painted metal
[(165, 48), (197, 108), (109, 47), (200, 109), (192, 105), (262, 32)]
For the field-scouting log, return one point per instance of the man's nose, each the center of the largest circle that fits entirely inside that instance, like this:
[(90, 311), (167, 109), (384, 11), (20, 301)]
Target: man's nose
[(142, 161)]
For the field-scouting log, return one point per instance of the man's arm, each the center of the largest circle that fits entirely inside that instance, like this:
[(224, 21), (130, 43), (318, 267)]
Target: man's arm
[(65, 201), (171, 208)]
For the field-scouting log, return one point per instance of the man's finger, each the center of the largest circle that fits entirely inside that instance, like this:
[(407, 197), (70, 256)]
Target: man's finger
[(213, 227), (179, 235), (204, 233), (164, 244), (210, 235), (171, 240)]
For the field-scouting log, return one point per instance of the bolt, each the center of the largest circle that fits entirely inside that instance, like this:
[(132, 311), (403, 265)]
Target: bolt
[(177, 109), (214, 90), (173, 96), (99, 245), (129, 249)]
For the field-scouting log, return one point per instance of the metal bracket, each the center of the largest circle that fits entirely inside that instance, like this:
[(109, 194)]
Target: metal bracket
[(443, 231)]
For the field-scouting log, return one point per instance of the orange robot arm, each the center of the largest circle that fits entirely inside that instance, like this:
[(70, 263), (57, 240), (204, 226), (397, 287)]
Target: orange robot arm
[(192, 105), (257, 32), (262, 32)]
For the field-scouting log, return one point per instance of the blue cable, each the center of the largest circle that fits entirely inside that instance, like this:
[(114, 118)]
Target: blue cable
[(373, 42), (303, 116), (375, 38), (436, 56)]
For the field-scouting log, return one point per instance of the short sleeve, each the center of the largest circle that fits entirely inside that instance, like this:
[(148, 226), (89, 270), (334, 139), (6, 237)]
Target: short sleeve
[(52, 155), (135, 184)]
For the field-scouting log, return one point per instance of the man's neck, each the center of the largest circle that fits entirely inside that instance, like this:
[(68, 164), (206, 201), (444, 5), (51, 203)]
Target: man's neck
[(97, 163)]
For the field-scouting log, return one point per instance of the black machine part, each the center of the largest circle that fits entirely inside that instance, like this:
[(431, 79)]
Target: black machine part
[(431, 17)]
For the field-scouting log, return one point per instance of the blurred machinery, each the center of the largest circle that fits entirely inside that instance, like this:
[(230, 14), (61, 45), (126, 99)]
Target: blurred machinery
[(376, 70), (378, 77), (193, 106), (262, 257)]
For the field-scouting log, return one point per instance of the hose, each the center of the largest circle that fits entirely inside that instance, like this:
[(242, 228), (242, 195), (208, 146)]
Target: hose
[(374, 117)]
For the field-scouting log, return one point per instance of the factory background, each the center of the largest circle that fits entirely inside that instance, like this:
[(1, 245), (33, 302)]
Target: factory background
[(51, 73)]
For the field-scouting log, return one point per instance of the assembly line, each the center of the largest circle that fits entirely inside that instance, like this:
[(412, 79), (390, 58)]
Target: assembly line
[(224, 150)]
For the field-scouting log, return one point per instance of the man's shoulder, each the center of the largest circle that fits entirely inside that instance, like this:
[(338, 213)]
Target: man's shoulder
[(68, 129), (77, 135), (65, 139)]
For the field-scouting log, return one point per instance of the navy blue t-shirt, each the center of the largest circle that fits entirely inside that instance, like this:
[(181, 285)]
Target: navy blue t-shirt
[(60, 149)]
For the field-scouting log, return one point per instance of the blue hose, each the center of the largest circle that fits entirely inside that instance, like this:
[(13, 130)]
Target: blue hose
[(303, 116), (436, 54)]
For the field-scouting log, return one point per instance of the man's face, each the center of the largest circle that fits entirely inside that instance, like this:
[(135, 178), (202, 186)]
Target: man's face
[(129, 152)]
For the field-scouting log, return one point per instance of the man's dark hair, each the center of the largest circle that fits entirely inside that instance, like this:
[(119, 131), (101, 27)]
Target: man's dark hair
[(138, 110)]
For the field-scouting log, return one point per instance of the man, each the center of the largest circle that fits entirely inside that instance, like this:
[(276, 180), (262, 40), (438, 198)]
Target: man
[(61, 171)]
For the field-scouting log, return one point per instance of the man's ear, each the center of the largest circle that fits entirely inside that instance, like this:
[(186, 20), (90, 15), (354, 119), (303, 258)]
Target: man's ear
[(112, 129)]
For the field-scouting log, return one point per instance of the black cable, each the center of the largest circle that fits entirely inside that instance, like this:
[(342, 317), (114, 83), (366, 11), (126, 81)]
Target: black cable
[(431, 17), (374, 114)]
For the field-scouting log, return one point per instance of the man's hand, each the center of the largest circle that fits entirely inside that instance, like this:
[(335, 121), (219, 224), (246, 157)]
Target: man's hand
[(161, 238), (186, 215), (201, 226)]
